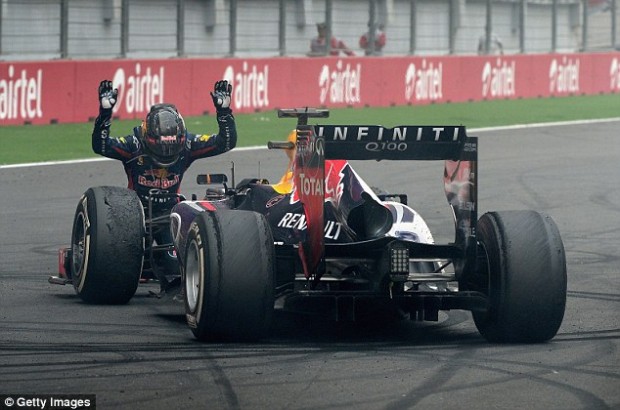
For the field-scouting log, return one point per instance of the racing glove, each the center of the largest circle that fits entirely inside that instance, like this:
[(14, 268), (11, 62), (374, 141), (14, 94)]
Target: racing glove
[(107, 97), (221, 97)]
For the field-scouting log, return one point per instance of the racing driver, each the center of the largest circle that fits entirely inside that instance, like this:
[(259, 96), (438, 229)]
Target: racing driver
[(159, 151), (157, 154)]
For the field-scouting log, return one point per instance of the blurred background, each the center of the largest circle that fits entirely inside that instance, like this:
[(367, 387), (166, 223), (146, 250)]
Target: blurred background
[(103, 29)]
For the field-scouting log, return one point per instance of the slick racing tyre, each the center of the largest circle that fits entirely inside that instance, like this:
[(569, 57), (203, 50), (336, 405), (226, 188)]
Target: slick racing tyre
[(229, 276), (524, 267), (107, 245)]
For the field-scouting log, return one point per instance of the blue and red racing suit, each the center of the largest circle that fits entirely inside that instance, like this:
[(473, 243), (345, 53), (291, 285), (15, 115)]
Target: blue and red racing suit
[(143, 173)]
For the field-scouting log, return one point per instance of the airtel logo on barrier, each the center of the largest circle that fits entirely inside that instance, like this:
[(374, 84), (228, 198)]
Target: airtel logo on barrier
[(20, 95), (614, 75), (564, 75), (424, 83), (499, 80), (340, 85), (250, 85), (139, 90)]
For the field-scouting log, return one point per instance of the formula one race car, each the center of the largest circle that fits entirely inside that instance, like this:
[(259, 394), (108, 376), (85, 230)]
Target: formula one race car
[(322, 241)]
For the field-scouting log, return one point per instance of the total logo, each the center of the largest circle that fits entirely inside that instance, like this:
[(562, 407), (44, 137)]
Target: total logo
[(310, 186), (614, 75), (340, 84), (424, 83), (20, 94), (140, 89), (564, 76), (250, 85), (499, 79)]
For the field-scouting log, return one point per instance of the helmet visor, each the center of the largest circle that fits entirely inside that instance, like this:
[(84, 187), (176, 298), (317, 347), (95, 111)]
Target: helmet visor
[(165, 145)]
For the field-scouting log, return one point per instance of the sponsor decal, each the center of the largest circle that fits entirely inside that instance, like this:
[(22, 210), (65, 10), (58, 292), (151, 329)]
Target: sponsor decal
[(156, 172), (105, 133), (424, 82), (498, 80), (139, 90), (275, 200), (292, 220), (310, 185), (309, 177), (397, 134), (334, 175), (333, 186), (158, 183), (614, 75), (168, 139), (145, 199), (250, 85), (158, 178), (20, 94), (564, 76), (340, 84)]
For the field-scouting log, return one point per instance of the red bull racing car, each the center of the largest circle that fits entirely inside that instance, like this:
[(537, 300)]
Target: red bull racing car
[(322, 241)]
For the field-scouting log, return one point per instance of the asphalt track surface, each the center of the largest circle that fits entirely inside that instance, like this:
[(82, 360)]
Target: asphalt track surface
[(143, 356)]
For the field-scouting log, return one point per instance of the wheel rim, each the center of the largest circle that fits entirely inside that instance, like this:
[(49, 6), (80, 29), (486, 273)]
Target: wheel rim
[(193, 271)]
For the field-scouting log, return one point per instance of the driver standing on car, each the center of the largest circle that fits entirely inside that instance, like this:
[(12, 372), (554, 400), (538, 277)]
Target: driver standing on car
[(159, 151)]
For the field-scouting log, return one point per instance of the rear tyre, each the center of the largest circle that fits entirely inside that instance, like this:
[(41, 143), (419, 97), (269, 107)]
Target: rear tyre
[(229, 276), (525, 270), (107, 244)]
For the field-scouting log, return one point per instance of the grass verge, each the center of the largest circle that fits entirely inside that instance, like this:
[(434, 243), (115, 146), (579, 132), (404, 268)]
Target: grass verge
[(37, 143)]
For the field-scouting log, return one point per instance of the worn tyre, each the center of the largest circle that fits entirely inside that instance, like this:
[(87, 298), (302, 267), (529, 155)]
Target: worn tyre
[(229, 276), (523, 259), (107, 243)]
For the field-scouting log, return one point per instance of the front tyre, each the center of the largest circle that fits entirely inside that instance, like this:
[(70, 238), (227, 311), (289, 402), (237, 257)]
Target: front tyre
[(524, 267), (107, 243), (229, 276)]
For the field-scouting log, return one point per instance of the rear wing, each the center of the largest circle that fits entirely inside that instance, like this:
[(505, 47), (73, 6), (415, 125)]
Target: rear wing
[(413, 142), (316, 143), (374, 142)]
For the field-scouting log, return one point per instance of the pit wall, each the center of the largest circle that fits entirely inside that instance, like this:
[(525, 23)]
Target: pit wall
[(66, 91)]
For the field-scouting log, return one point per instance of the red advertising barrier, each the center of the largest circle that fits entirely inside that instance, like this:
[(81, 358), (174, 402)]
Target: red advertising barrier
[(66, 91)]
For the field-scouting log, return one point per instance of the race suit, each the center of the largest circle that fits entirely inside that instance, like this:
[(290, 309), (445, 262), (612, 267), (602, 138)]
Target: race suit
[(143, 173)]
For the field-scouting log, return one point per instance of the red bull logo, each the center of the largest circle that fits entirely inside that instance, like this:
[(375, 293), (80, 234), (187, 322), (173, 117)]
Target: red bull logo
[(158, 178), (169, 139)]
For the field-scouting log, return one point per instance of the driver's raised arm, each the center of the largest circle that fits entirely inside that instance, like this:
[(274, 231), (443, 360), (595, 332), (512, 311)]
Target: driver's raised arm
[(107, 99), (226, 139), (118, 148)]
